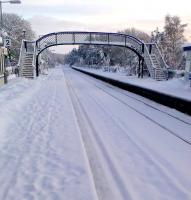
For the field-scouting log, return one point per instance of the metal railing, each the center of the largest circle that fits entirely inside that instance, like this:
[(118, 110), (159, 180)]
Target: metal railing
[(160, 58), (149, 61), (157, 52), (95, 38), (26, 47), (21, 56)]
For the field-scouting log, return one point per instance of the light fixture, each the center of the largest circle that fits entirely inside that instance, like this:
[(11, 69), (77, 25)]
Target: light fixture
[(15, 1)]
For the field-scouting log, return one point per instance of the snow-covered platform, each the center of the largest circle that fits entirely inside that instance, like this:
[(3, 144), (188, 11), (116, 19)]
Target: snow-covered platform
[(71, 137)]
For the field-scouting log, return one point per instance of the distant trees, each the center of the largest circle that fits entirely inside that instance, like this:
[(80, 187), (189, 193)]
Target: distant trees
[(107, 55), (52, 59), (137, 33), (13, 27), (59, 58)]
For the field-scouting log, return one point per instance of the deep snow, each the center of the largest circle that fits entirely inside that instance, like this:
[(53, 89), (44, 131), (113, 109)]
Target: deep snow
[(69, 136)]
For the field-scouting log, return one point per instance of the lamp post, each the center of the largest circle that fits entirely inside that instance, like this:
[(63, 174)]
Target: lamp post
[(24, 33), (1, 13), (1, 31), (157, 36)]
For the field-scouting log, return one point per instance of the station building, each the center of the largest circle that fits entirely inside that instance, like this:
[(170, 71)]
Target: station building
[(187, 54), (3, 53)]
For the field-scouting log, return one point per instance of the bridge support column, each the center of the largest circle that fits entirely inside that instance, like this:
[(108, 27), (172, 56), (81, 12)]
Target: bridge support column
[(37, 66), (139, 68), (150, 48), (142, 67)]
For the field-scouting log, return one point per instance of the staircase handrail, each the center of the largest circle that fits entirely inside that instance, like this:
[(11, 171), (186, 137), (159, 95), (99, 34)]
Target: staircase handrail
[(164, 65), (21, 53), (34, 56), (160, 58), (23, 50), (150, 59)]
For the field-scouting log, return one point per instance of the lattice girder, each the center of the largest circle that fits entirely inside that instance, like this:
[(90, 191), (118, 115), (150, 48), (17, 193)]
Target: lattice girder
[(95, 38)]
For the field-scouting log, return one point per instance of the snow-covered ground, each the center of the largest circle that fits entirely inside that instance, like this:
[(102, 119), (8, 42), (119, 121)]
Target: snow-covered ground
[(175, 87), (70, 136), (41, 151)]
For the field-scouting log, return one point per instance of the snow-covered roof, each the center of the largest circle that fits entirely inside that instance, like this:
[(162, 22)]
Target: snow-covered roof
[(187, 47), (186, 44)]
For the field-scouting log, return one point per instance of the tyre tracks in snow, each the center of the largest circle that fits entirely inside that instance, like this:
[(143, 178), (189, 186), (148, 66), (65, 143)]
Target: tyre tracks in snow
[(109, 183)]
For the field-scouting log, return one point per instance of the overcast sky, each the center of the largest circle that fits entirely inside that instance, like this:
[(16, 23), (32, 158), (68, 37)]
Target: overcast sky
[(100, 15)]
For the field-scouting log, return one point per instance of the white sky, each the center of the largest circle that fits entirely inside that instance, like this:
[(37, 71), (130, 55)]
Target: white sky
[(100, 15)]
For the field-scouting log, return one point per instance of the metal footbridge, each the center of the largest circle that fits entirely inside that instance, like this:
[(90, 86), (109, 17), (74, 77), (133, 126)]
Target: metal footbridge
[(147, 53)]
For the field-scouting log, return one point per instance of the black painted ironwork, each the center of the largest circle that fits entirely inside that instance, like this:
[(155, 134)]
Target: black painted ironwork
[(94, 38), (145, 51)]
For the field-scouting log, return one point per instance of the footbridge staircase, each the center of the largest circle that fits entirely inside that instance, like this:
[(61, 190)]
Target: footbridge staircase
[(148, 53), (27, 59)]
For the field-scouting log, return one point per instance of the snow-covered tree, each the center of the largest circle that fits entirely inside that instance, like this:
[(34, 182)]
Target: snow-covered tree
[(13, 27), (137, 33), (173, 41), (107, 55)]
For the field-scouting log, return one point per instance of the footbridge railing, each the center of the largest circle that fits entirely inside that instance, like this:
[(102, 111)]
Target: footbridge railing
[(94, 38), (149, 53), (27, 48)]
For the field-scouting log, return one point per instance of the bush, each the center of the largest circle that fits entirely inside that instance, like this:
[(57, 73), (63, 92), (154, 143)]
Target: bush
[(175, 73)]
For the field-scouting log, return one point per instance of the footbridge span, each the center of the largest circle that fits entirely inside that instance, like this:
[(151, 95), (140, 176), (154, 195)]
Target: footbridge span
[(148, 53)]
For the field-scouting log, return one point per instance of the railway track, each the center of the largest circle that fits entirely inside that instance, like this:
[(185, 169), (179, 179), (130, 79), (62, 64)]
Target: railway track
[(100, 87)]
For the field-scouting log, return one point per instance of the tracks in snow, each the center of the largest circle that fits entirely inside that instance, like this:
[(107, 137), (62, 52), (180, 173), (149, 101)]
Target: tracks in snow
[(106, 169), (187, 141), (102, 154)]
